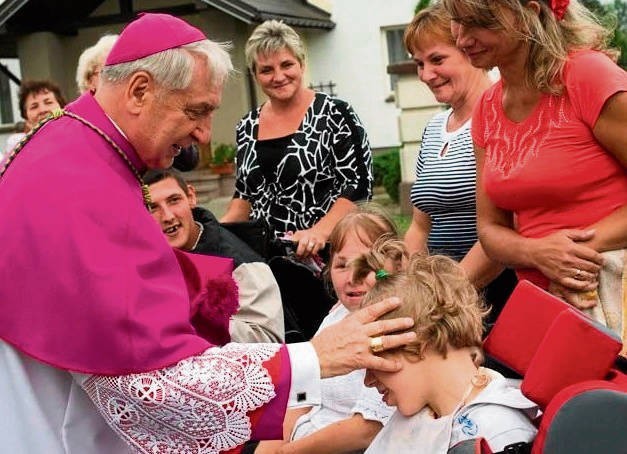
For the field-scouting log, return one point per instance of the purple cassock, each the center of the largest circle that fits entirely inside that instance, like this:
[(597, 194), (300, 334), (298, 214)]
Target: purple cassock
[(89, 284)]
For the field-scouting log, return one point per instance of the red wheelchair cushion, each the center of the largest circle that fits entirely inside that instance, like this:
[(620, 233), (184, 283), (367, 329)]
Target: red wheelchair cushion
[(522, 325), (573, 350), (586, 417)]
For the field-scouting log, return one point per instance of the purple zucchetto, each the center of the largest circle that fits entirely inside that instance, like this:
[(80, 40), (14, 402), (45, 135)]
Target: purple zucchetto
[(152, 33)]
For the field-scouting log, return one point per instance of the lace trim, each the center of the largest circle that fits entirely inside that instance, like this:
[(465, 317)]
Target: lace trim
[(200, 405)]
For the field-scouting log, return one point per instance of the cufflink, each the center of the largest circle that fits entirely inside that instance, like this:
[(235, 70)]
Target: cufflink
[(301, 397)]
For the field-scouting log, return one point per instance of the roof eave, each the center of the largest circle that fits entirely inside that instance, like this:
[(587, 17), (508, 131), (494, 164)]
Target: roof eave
[(8, 8)]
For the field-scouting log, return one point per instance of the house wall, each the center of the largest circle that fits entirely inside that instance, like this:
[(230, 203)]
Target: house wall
[(417, 105), (354, 56), (46, 55)]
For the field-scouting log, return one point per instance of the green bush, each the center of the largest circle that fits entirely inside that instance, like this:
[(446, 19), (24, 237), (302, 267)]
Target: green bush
[(223, 154), (387, 172)]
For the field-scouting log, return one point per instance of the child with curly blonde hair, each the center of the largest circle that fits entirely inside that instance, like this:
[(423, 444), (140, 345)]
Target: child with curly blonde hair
[(441, 394), (350, 414)]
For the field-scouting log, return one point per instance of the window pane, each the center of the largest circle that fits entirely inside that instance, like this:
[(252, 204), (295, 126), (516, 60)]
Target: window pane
[(6, 111), (396, 50)]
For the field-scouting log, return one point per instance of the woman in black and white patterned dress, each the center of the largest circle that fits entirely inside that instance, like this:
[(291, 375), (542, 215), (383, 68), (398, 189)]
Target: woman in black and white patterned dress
[(303, 157)]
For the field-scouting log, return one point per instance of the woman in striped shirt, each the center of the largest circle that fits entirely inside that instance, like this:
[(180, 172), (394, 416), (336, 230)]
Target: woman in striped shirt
[(443, 195)]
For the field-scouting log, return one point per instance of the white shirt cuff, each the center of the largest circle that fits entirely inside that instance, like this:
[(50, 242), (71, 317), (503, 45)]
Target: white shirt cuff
[(306, 388)]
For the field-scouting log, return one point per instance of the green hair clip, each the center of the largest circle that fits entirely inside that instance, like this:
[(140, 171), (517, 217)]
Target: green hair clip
[(381, 274)]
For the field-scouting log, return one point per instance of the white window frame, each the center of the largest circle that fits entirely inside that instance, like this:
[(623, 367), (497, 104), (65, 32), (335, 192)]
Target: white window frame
[(14, 66)]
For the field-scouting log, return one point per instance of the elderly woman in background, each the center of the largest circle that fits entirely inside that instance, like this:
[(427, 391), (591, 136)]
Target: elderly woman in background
[(37, 99), (303, 157), (443, 195), (90, 63), (551, 148)]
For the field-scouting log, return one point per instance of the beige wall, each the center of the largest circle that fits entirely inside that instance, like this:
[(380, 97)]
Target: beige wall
[(326, 5), (417, 105)]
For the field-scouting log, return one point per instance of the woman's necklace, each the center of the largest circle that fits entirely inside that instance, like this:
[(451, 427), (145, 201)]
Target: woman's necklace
[(58, 113)]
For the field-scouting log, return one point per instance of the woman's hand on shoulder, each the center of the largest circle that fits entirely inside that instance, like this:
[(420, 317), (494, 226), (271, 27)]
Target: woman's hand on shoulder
[(562, 258)]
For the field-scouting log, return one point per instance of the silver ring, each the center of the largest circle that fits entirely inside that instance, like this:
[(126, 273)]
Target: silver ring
[(311, 244), (578, 273)]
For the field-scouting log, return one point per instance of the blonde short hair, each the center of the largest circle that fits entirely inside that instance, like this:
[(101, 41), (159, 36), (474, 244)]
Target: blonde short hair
[(550, 40), (446, 309), (431, 24), (270, 37), (368, 220)]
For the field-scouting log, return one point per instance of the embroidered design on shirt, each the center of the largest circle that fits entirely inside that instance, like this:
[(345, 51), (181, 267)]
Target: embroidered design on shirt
[(469, 427), (509, 147), (199, 405)]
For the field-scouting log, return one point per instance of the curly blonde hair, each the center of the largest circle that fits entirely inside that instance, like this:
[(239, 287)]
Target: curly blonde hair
[(446, 309), (550, 40)]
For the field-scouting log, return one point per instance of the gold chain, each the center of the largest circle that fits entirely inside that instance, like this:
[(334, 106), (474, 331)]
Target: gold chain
[(58, 113)]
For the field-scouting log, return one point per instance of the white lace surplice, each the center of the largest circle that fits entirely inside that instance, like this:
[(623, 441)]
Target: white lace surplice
[(199, 405)]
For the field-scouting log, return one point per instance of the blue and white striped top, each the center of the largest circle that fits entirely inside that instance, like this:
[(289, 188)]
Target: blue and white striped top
[(445, 187)]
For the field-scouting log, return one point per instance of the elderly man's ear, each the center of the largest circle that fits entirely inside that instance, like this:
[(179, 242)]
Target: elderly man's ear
[(139, 90)]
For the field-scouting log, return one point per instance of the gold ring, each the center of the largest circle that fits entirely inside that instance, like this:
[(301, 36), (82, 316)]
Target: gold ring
[(590, 295), (376, 344)]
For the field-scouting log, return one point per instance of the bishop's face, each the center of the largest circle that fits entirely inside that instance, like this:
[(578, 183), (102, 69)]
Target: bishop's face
[(174, 119)]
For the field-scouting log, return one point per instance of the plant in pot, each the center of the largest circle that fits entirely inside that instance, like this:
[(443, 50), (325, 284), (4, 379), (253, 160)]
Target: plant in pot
[(223, 159)]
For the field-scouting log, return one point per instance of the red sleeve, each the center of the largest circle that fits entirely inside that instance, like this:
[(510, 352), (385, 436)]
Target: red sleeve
[(267, 421), (590, 79)]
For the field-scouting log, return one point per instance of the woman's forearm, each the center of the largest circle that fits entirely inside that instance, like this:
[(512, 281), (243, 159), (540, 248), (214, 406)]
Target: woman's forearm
[(352, 434), (505, 246), (418, 232), (480, 269), (340, 208), (610, 233), (237, 211)]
